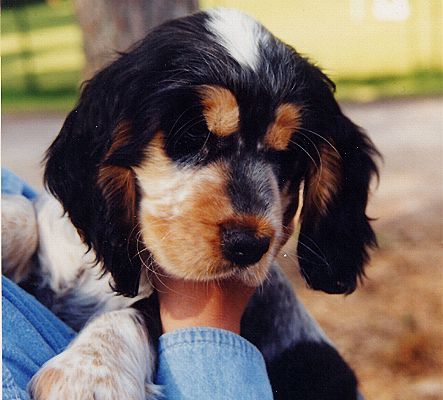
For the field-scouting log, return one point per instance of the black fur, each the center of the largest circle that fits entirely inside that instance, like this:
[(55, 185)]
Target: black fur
[(336, 241), (151, 86), (312, 371)]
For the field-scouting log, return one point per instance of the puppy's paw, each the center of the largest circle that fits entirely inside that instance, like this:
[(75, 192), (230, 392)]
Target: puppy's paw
[(88, 376)]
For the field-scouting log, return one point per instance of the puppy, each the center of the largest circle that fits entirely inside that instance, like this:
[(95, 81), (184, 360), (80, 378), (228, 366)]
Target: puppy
[(188, 154)]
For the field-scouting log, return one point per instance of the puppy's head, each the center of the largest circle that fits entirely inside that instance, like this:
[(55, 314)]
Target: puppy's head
[(189, 152)]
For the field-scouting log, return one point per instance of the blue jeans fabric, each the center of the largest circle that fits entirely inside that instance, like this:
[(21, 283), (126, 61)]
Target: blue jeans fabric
[(31, 336), (12, 184), (208, 363), (194, 363)]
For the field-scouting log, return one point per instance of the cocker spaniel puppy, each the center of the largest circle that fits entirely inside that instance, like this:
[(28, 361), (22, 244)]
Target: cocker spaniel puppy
[(187, 154)]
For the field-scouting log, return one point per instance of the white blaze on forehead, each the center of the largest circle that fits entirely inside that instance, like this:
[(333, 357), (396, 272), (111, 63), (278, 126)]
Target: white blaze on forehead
[(238, 33)]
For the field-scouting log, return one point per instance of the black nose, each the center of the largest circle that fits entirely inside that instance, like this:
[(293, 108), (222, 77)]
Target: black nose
[(242, 247)]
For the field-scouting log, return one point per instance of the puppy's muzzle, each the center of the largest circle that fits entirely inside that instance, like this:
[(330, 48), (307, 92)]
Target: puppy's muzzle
[(242, 246)]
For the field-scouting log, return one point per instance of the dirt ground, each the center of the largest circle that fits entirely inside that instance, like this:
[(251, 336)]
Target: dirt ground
[(391, 329)]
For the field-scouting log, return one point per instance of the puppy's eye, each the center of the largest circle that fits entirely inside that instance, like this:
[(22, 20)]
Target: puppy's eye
[(198, 134), (190, 146)]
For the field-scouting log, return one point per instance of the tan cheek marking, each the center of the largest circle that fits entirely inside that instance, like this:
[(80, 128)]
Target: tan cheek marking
[(209, 206), (163, 181), (220, 110), (158, 178), (324, 182), (287, 121), (197, 223), (158, 165)]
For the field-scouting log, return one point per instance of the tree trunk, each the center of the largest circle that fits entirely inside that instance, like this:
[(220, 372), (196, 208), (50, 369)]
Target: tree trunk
[(110, 26)]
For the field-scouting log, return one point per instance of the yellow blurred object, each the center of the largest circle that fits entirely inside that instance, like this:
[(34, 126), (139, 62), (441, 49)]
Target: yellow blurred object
[(357, 38)]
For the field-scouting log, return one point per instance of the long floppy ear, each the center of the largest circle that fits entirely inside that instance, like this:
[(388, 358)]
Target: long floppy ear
[(89, 170), (335, 233)]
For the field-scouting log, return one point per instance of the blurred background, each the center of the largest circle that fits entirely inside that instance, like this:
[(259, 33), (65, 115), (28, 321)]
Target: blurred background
[(386, 57)]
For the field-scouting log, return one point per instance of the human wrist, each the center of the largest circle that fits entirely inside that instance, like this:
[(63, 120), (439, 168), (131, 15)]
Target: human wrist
[(187, 304), (198, 310)]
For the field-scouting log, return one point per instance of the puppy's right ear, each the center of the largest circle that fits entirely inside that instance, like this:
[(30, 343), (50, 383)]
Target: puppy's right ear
[(70, 170), (89, 170)]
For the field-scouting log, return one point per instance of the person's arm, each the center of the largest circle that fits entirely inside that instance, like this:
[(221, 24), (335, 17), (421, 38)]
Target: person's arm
[(201, 354), (31, 335)]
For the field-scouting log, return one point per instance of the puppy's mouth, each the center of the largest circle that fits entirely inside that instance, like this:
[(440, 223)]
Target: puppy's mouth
[(204, 253)]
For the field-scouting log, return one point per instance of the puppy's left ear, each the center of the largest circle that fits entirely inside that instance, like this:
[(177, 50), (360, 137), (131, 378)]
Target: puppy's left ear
[(335, 233)]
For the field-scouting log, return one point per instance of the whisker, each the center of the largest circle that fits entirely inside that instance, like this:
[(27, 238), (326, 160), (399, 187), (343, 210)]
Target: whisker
[(318, 154), (187, 127), (318, 180), (206, 141), (323, 138), (312, 241), (184, 128), (305, 151), (145, 262), (313, 251), (193, 121), (180, 116), (157, 275), (129, 241), (289, 255)]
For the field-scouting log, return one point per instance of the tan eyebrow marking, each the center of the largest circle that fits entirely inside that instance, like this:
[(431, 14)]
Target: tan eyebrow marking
[(220, 110), (287, 120)]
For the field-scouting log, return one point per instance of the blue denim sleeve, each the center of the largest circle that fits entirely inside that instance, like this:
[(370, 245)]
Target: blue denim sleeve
[(31, 335), (195, 363), (12, 184), (209, 363)]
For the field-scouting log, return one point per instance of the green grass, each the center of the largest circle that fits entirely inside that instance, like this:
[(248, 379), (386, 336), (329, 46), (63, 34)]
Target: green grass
[(41, 69), (55, 92), (417, 83), (43, 101), (40, 16)]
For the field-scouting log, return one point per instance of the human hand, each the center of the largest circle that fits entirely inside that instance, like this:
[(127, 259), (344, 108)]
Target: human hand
[(217, 304)]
